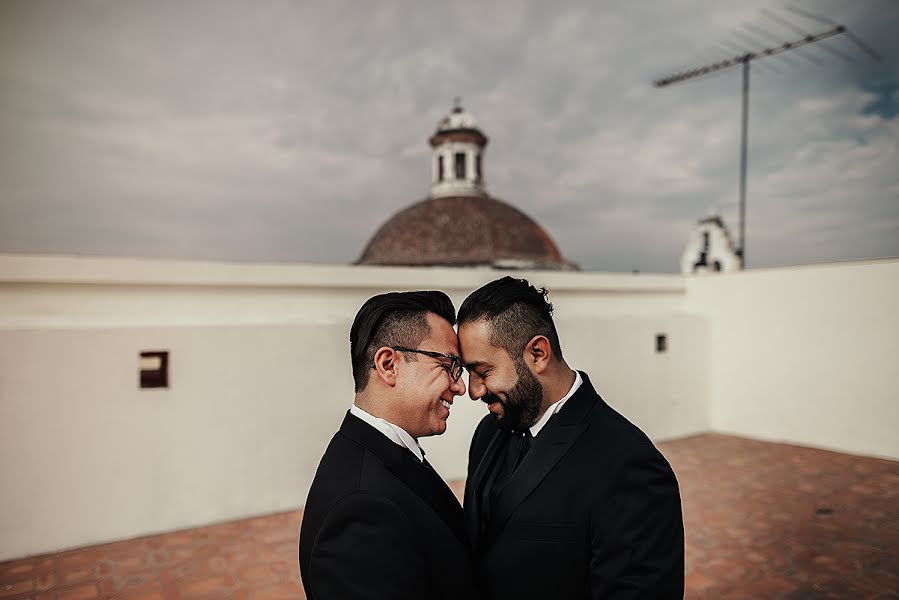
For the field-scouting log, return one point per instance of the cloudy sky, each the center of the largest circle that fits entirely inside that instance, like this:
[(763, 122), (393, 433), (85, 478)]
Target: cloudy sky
[(290, 130)]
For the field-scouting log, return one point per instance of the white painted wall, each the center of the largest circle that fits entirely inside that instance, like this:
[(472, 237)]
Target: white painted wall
[(808, 355), (260, 380), (260, 376)]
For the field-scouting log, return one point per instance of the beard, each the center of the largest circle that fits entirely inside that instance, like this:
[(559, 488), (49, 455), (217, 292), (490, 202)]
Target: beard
[(522, 403)]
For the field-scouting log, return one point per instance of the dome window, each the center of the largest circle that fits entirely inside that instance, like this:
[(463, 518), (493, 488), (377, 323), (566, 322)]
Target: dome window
[(460, 165)]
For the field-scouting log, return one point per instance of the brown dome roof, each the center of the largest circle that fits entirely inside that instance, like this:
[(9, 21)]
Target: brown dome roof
[(463, 231)]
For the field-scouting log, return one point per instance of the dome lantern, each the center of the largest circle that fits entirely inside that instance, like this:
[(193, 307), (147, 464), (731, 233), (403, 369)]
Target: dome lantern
[(457, 155)]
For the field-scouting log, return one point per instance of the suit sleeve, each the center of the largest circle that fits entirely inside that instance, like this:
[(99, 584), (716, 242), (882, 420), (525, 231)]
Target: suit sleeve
[(637, 534), (366, 549)]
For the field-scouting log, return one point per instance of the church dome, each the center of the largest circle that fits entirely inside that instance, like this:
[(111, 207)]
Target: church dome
[(460, 224), (463, 231)]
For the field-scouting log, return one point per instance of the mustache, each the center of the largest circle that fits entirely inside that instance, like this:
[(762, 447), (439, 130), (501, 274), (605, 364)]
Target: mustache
[(489, 398)]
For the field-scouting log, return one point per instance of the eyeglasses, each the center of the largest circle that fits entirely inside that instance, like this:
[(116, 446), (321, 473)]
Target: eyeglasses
[(454, 368)]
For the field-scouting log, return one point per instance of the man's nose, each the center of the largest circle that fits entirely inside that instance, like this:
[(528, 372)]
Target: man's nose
[(458, 387), (476, 388)]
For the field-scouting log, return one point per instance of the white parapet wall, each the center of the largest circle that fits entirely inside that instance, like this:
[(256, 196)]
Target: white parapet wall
[(808, 355), (259, 382)]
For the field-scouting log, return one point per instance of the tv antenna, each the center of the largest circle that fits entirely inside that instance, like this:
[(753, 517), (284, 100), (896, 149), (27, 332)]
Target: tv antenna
[(744, 60)]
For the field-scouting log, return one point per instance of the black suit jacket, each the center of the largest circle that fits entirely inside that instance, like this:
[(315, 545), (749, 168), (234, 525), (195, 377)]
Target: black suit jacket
[(593, 511), (380, 524)]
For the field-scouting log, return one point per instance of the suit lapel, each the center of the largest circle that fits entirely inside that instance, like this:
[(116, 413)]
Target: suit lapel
[(473, 508), (559, 435), (429, 486), (421, 479)]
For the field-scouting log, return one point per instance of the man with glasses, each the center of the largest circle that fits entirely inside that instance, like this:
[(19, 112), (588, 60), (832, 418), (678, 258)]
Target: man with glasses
[(379, 521)]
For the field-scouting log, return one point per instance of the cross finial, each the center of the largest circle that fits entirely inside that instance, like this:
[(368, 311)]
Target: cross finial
[(457, 104)]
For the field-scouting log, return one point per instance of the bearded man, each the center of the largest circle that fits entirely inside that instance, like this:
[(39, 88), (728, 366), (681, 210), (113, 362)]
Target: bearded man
[(565, 498)]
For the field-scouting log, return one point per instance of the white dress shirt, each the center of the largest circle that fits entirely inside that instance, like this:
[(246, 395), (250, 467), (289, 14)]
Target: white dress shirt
[(394, 433), (556, 406)]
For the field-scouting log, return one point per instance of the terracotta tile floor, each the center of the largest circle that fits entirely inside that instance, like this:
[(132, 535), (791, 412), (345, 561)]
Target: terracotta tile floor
[(762, 521)]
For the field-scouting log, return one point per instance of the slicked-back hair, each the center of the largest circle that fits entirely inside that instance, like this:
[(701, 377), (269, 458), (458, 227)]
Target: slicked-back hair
[(515, 312), (393, 319)]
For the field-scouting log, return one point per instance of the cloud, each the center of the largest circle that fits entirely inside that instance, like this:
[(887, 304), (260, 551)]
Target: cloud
[(286, 131)]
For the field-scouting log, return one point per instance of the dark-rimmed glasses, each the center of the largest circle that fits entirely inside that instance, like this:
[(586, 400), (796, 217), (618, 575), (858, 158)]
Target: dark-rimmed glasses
[(454, 368)]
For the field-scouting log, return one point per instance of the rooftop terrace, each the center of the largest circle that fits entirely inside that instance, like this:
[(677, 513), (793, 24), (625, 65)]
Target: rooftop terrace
[(762, 520)]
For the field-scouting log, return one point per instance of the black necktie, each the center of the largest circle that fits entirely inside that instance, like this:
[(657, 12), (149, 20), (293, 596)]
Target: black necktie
[(518, 447)]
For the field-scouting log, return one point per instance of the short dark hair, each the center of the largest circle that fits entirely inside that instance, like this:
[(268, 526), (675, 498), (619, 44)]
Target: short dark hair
[(393, 319), (515, 311)]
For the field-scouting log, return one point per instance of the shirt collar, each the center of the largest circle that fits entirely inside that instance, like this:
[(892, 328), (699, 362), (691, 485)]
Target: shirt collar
[(394, 433), (556, 406)]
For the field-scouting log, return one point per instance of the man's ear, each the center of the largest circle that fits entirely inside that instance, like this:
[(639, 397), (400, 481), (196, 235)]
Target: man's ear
[(385, 365), (537, 353)]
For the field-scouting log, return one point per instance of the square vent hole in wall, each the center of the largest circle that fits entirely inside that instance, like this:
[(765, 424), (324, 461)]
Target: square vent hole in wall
[(661, 343), (154, 369)]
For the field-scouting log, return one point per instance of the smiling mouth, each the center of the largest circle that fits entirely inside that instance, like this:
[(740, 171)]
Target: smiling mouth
[(445, 404)]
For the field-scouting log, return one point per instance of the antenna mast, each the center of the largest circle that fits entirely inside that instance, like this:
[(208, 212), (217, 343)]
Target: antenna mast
[(744, 60)]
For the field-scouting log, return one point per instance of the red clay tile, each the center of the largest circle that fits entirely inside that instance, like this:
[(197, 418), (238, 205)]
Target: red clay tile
[(71, 576), (108, 588), (144, 595), (130, 565), (81, 559), (12, 590), (170, 591), (697, 581), (138, 583), (259, 575), (44, 582), (281, 591), (15, 571), (82, 592), (211, 586)]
